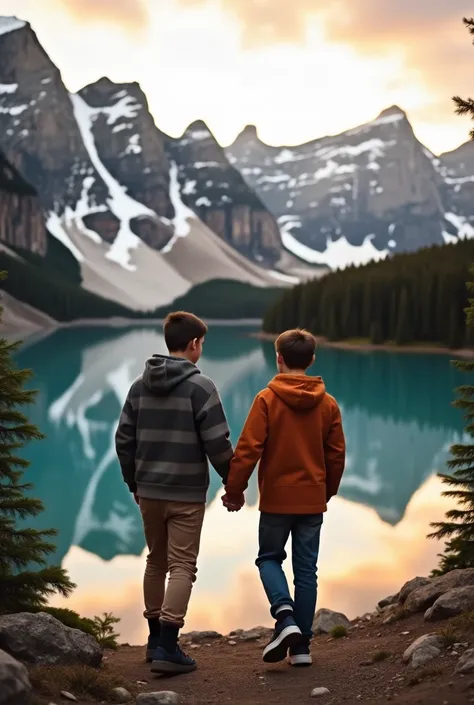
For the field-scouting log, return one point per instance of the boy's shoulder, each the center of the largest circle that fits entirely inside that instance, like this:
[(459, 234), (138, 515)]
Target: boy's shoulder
[(202, 382)]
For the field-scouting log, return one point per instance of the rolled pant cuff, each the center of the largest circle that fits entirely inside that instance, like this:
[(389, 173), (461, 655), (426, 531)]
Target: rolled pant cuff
[(277, 607), (176, 624)]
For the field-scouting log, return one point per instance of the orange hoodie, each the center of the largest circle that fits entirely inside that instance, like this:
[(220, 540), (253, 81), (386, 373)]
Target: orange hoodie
[(295, 429)]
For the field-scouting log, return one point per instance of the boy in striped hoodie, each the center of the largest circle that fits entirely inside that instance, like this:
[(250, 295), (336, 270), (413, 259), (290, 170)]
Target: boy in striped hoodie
[(172, 422)]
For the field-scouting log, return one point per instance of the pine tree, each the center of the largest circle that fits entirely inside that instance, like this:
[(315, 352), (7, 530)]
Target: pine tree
[(458, 526), (376, 334), (404, 332), (22, 587)]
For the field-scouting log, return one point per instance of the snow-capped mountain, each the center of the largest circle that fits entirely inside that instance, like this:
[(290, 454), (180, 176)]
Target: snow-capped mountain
[(220, 196), (360, 195), (111, 186)]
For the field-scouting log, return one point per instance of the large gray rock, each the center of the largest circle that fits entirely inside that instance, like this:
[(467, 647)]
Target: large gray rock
[(325, 620), (423, 597), (423, 650), (42, 640), (15, 687), (202, 637), (410, 586), (163, 697), (466, 662), (387, 602), (453, 602)]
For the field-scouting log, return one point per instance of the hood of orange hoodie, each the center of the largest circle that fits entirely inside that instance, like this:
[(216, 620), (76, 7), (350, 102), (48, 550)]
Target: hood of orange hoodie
[(298, 391)]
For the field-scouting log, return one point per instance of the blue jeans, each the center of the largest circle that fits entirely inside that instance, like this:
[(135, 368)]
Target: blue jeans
[(274, 531)]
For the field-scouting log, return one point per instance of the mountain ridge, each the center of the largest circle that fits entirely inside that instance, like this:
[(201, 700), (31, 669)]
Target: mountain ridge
[(358, 195), (108, 181)]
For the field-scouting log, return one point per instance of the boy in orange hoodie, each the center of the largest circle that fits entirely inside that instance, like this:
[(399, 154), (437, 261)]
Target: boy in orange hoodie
[(294, 429)]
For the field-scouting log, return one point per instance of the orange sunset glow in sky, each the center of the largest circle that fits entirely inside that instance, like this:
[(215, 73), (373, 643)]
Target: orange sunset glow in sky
[(298, 69)]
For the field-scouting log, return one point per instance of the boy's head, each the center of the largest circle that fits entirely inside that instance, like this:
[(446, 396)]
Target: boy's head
[(295, 350), (184, 335)]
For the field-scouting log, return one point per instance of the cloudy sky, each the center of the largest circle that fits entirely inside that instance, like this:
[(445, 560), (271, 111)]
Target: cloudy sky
[(298, 69)]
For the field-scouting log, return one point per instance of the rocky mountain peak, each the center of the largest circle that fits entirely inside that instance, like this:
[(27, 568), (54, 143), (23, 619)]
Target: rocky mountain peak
[(394, 110), (105, 92), (249, 135), (218, 193), (197, 126), (12, 24)]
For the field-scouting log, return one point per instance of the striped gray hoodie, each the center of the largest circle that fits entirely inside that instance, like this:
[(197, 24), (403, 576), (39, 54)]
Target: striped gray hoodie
[(171, 420)]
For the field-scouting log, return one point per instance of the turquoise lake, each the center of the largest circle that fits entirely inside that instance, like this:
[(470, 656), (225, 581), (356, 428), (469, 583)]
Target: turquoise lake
[(398, 423)]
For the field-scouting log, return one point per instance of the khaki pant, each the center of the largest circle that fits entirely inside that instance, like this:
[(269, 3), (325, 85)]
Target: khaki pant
[(173, 534)]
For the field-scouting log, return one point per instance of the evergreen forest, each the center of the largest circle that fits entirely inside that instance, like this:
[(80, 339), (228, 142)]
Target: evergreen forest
[(418, 297)]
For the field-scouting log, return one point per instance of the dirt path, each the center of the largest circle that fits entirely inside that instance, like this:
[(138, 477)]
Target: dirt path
[(237, 675)]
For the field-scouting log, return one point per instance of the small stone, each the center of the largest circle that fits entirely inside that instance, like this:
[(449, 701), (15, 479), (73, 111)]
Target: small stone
[(466, 663), (142, 682), (194, 646), (423, 650), (68, 696), (199, 637), (325, 620), (318, 692), (121, 695), (15, 686), (232, 643), (387, 601), (163, 697), (255, 634)]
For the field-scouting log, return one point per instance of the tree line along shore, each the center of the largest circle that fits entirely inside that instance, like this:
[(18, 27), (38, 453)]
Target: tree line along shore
[(417, 300)]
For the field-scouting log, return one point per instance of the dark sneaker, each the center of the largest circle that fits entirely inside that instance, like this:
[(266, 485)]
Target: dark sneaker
[(300, 655), (151, 647), (286, 635), (177, 662)]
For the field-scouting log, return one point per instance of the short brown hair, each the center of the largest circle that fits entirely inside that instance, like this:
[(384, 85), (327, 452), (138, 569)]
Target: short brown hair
[(297, 348), (180, 328)]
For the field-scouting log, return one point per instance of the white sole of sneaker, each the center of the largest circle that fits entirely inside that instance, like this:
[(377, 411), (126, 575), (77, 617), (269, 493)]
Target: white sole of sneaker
[(169, 667), (300, 660), (278, 648)]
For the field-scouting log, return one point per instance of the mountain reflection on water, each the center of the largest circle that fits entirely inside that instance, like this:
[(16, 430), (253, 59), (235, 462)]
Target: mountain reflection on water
[(396, 410)]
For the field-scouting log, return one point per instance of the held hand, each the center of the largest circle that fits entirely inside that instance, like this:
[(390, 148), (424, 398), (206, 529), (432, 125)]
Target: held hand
[(233, 504)]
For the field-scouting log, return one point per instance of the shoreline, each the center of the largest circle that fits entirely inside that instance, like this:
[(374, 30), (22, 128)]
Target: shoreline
[(42, 331), (362, 347)]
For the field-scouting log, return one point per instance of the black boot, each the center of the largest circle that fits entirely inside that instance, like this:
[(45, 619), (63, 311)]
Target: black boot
[(168, 639), (168, 657), (153, 639)]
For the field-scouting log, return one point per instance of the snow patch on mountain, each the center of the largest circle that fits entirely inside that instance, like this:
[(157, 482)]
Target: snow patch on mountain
[(8, 87), (182, 213), (464, 228), (338, 254), (14, 110), (10, 24), (120, 203)]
